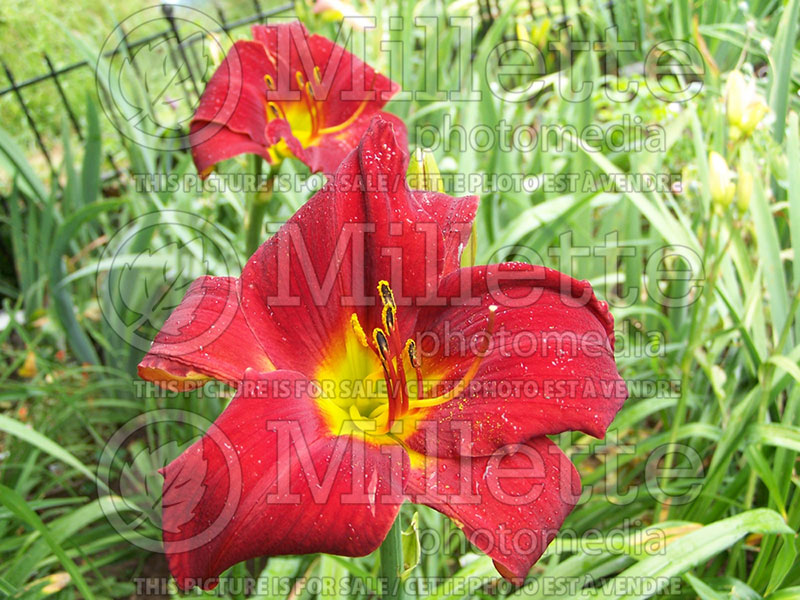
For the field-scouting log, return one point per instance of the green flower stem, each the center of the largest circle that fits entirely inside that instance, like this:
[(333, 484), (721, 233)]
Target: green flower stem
[(259, 199), (391, 552)]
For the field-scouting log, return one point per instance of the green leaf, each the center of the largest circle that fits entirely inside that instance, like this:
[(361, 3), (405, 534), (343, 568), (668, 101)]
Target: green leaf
[(16, 160), (62, 529), (704, 591), (776, 434), (92, 158), (790, 593), (793, 155), (769, 248), (697, 547), (33, 437), (781, 61), (783, 564), (63, 301), (17, 505), (279, 568)]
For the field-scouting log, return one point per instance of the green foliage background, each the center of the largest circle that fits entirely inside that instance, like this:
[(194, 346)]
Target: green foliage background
[(730, 355)]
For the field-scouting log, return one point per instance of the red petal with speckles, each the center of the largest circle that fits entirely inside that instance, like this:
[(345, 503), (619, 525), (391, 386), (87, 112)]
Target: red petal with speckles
[(548, 367)]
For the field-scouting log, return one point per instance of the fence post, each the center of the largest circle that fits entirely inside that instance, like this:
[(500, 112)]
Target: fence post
[(75, 125)]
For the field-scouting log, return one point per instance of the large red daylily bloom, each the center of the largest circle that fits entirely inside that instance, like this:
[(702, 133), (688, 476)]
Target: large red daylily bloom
[(288, 93), (364, 285)]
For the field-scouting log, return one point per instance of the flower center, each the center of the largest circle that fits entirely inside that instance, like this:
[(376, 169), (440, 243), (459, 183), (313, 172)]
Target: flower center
[(305, 115), (400, 364)]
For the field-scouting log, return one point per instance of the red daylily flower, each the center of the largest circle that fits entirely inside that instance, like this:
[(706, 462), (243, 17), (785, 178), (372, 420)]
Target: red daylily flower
[(288, 93), (362, 287)]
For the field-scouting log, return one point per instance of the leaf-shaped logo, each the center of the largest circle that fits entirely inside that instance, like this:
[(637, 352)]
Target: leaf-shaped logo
[(155, 86), (141, 481), (141, 484), (153, 284), (152, 69), (185, 489)]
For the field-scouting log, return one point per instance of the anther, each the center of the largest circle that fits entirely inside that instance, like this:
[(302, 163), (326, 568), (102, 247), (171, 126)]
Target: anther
[(269, 81), (382, 343), (411, 348), (387, 296), (359, 331), (387, 316), (416, 364)]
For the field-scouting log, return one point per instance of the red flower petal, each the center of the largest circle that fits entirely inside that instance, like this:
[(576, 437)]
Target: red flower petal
[(231, 117), (269, 479), (455, 217), (346, 80), (510, 505), (352, 232), (206, 336), (220, 145), (549, 366)]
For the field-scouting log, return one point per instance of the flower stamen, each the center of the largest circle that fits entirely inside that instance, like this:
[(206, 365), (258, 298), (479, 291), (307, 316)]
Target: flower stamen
[(359, 331), (389, 320), (385, 344), (416, 363), (389, 373)]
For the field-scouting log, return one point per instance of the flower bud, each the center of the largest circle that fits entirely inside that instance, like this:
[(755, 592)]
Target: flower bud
[(753, 115), (423, 173), (744, 107), (722, 188), (336, 11), (522, 32), (539, 33), (735, 98)]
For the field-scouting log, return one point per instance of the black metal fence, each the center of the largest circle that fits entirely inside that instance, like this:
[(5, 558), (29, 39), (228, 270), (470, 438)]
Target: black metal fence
[(179, 50)]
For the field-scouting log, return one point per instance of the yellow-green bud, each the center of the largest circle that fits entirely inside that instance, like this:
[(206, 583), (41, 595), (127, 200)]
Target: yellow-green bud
[(423, 172), (722, 188), (735, 97), (744, 107), (55, 582)]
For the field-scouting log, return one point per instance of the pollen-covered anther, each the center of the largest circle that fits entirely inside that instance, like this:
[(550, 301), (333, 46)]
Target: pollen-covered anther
[(388, 318), (416, 364), (358, 330), (276, 110), (386, 293), (381, 343), (411, 350)]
